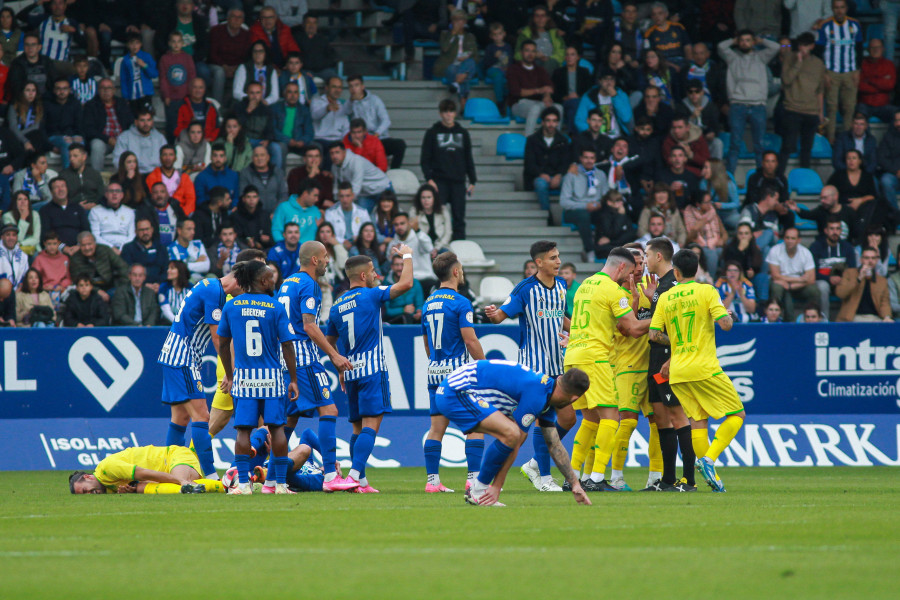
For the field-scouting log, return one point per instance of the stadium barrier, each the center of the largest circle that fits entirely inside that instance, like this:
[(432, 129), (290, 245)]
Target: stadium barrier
[(816, 395)]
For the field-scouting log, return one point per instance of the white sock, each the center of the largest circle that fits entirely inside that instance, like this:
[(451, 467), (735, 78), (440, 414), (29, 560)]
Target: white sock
[(577, 474), (434, 479), (214, 476), (269, 483), (364, 482), (617, 475), (472, 475), (354, 475), (653, 476), (330, 476), (545, 479), (478, 487), (596, 477)]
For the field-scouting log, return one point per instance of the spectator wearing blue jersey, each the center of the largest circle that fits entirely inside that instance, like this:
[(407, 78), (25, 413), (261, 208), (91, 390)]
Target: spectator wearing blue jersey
[(405, 309), (450, 341), (191, 251), (503, 399), (286, 252), (737, 293), (136, 74), (216, 174), (57, 33), (539, 302), (175, 289), (300, 208), (355, 330), (841, 38)]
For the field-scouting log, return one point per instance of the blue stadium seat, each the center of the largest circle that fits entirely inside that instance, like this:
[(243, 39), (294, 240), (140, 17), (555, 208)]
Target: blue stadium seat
[(484, 111), (587, 65), (771, 141), (875, 31), (821, 148), (617, 7), (511, 145), (426, 44), (804, 224), (804, 181), (517, 118)]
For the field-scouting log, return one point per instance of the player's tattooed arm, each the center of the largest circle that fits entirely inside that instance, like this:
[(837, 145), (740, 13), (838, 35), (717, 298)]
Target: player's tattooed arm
[(558, 453), (659, 337)]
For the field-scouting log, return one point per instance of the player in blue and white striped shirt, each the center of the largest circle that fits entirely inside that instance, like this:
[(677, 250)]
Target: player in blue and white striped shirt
[(354, 328), (449, 336), (540, 303), (503, 398), (56, 32), (261, 332), (302, 300), (842, 39), (195, 325)]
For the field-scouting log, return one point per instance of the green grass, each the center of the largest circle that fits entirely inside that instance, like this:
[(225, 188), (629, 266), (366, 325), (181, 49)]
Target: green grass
[(778, 533)]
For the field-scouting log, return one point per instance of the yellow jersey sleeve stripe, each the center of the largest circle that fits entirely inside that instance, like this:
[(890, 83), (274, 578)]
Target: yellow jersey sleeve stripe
[(722, 316), (623, 314)]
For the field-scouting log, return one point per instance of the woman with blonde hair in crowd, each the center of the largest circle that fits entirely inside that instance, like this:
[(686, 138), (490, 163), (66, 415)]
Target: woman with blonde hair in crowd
[(662, 201)]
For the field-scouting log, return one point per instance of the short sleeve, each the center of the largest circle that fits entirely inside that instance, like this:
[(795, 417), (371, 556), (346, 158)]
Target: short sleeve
[(466, 314), (225, 326), (286, 331), (658, 321), (212, 312), (384, 293), (514, 306), (749, 292), (716, 308), (621, 303), (309, 304), (331, 329), (808, 261), (111, 470)]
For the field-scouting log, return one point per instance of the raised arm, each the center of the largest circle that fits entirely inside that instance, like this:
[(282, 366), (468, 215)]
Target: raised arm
[(406, 276)]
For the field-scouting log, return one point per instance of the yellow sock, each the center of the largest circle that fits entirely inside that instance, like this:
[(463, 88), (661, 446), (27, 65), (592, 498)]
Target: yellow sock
[(213, 486), (724, 434), (583, 442), (654, 451), (588, 462), (620, 449), (700, 441), (603, 446), (162, 488)]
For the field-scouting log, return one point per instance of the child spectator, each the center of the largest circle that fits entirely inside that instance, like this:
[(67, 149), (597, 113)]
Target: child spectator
[(136, 74), (497, 56), (85, 308), (53, 266), (84, 87), (568, 272), (176, 72)]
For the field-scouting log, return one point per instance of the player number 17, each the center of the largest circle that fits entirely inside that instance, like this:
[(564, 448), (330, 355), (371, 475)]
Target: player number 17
[(689, 327), (436, 325)]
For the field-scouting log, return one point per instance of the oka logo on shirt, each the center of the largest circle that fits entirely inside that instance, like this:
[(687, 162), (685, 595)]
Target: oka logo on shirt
[(89, 354)]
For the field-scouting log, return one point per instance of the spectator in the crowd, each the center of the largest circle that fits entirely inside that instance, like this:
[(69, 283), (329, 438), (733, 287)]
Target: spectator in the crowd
[(875, 236), (163, 211), (762, 218), (311, 169), (812, 314), (877, 79), (626, 31), (407, 308), (661, 201), (11, 42), (623, 175), (333, 279), (383, 215), (147, 251), (854, 185), (547, 157), (276, 36), (212, 216), (99, 262), (53, 266), (615, 227), (702, 113), (829, 206), (189, 250), (832, 256), (178, 185), (359, 142), (302, 209), (841, 38), (793, 273), (768, 175), (761, 16), (656, 227), (367, 245), (34, 307), (432, 217), (645, 147), (293, 73), (702, 275), (238, 150), (142, 139), (257, 122), (447, 162), (259, 69), (528, 269), (135, 304), (252, 223), (495, 60), (13, 261), (291, 12), (196, 107), (84, 87), (691, 140), (291, 122), (894, 293), (363, 104), (106, 117), (568, 272), (772, 312), (137, 72), (864, 294), (86, 307), (192, 151), (737, 293), (331, 116), (35, 179), (63, 120), (346, 217), (30, 66), (657, 72), (84, 183), (668, 38), (710, 74), (681, 181), (570, 82), (889, 161), (177, 70), (457, 63), (803, 82), (530, 88), (807, 15), (580, 199), (229, 45), (266, 177), (12, 158), (421, 246), (550, 48), (27, 221), (593, 137), (216, 174), (859, 138), (195, 28), (26, 119), (320, 57), (286, 253), (612, 102), (748, 90), (366, 180), (174, 289), (424, 19), (133, 184), (626, 77), (705, 228), (225, 250), (716, 181), (66, 218), (112, 223), (651, 106)]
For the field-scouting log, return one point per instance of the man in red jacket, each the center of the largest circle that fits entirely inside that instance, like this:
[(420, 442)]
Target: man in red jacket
[(196, 107), (690, 137), (358, 141), (275, 35), (876, 82)]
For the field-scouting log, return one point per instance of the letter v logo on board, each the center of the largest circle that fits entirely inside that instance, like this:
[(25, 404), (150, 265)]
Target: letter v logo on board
[(122, 377)]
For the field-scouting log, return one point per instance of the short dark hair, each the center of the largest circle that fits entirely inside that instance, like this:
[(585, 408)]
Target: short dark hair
[(744, 31), (216, 147), (541, 247), (871, 249), (290, 224), (180, 222), (165, 147), (250, 189), (681, 118), (218, 193), (336, 144), (831, 218), (356, 123), (313, 146), (550, 110), (75, 478), (345, 185), (623, 254), (447, 105), (50, 235), (77, 146), (643, 121), (355, 77), (575, 381), (250, 254), (305, 186), (772, 152), (595, 112), (401, 214), (142, 110), (687, 262), (663, 246), (568, 266), (443, 265), (529, 43), (768, 189), (805, 39), (355, 263)]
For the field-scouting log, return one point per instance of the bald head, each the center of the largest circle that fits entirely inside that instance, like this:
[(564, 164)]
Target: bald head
[(5, 288), (313, 258), (828, 196)]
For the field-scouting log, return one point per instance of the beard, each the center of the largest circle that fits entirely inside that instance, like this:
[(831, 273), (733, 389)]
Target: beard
[(745, 50)]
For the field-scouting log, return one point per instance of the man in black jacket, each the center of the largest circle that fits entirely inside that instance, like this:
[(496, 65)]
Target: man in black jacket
[(446, 162), (31, 66), (63, 216), (84, 307), (645, 147), (318, 56), (547, 156), (63, 118), (570, 82), (84, 182), (147, 251), (209, 217), (105, 117), (12, 158), (889, 161)]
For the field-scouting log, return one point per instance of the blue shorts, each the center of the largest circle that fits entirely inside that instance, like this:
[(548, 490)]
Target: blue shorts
[(247, 411), (369, 396), (462, 410), (181, 384), (315, 390), (432, 407)]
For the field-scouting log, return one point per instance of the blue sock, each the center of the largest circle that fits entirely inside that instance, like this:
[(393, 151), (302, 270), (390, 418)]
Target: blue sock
[(242, 462), (288, 432), (541, 452), (432, 457), (561, 431), (258, 442), (306, 483), (474, 454), (175, 435), (362, 449), (203, 446), (310, 438), (352, 444), (328, 441), (281, 467), (494, 457)]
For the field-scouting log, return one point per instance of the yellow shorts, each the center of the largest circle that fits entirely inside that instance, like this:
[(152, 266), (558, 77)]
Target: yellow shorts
[(631, 392), (223, 401), (179, 455), (602, 392), (713, 397)]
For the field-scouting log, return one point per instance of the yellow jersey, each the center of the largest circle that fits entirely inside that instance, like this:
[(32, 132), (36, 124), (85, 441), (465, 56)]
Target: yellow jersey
[(119, 468), (688, 312), (599, 302), (633, 354)]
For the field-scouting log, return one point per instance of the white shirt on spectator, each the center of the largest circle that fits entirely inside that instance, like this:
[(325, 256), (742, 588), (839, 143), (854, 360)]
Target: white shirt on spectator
[(421, 246), (791, 266), (113, 228)]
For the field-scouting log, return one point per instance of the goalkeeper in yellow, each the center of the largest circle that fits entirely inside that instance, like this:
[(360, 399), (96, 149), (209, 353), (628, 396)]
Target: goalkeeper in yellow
[(145, 470), (688, 313)]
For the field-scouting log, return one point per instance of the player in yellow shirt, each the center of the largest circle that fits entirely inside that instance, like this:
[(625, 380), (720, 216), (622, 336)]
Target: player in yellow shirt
[(145, 470), (688, 313), (600, 304)]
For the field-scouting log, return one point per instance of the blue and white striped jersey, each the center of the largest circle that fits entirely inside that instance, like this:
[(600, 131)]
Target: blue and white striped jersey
[(84, 91), (301, 295), (444, 315), (55, 42), (840, 40), (355, 319), (189, 335), (513, 389), (257, 325), (541, 311)]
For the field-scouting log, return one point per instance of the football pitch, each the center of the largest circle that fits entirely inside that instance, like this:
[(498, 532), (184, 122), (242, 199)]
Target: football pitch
[(777, 533)]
